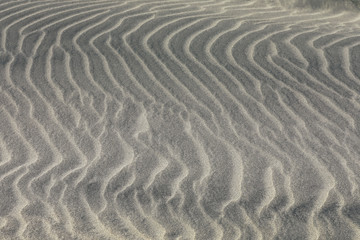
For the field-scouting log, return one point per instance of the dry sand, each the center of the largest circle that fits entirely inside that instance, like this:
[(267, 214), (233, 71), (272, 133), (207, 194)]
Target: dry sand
[(184, 119)]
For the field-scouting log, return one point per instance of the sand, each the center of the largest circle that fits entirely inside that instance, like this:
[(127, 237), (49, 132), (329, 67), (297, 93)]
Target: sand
[(207, 119)]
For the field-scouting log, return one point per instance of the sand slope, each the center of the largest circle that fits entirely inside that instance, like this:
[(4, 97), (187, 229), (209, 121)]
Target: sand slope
[(178, 120)]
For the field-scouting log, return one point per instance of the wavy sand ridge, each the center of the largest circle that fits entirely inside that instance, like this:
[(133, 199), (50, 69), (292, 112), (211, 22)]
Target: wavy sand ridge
[(178, 120)]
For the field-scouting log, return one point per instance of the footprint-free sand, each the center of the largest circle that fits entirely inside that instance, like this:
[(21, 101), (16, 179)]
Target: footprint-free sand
[(206, 120)]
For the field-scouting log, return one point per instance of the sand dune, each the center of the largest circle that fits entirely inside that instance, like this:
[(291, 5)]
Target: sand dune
[(179, 120)]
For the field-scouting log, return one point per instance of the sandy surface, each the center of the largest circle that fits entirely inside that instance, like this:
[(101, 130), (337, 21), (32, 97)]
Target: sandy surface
[(181, 119)]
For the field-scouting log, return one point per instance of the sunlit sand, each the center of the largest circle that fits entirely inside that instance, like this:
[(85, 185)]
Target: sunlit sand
[(202, 119)]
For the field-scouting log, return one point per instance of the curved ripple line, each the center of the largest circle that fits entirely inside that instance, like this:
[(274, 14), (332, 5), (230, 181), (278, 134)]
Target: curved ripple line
[(178, 120)]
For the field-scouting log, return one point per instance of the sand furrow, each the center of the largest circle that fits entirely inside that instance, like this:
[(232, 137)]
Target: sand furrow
[(207, 119)]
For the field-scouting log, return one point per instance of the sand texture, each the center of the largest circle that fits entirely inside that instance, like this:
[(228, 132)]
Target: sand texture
[(201, 119)]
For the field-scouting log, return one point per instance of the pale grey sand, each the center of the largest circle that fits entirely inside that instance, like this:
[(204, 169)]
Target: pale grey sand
[(206, 119)]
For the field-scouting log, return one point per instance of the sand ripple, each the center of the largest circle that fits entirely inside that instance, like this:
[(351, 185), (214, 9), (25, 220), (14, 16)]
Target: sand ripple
[(178, 120)]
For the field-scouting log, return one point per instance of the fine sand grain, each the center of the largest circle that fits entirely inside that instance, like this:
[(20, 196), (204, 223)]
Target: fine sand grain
[(207, 119)]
